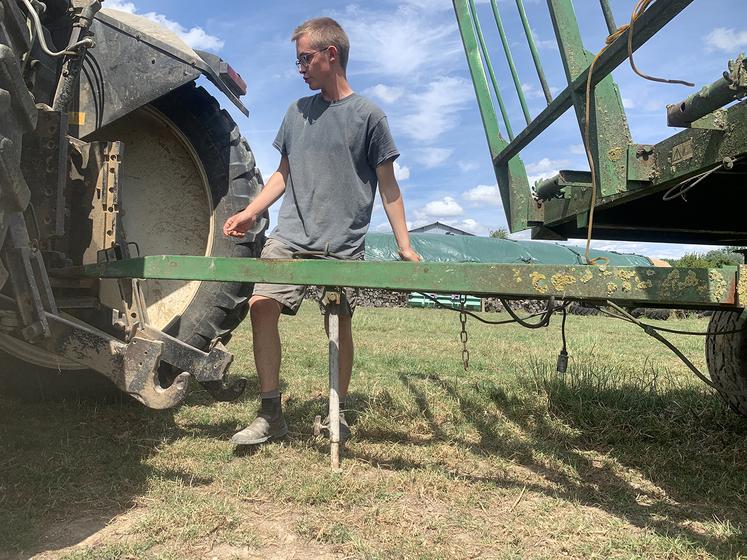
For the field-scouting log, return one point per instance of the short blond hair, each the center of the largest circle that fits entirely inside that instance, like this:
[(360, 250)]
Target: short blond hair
[(323, 32)]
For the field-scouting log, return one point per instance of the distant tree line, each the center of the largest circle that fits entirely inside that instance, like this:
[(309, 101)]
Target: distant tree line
[(725, 256)]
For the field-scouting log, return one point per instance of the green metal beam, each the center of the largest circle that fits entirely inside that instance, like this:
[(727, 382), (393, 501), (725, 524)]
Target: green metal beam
[(510, 60), (609, 134), (651, 21), (534, 51), (682, 287), (511, 174)]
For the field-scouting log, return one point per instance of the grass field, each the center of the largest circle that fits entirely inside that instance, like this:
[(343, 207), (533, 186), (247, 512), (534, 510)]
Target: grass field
[(625, 456)]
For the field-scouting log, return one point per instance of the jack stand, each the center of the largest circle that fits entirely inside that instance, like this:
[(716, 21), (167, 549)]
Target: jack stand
[(333, 305)]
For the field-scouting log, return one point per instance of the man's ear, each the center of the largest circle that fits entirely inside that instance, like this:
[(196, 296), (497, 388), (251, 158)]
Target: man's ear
[(333, 53)]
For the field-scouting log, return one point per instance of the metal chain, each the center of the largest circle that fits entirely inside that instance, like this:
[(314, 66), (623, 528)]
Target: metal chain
[(463, 334)]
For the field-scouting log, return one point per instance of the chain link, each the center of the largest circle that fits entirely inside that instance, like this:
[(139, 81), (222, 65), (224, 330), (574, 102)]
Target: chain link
[(463, 334)]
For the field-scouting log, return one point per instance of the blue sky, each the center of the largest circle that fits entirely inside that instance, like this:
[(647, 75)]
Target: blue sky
[(407, 56)]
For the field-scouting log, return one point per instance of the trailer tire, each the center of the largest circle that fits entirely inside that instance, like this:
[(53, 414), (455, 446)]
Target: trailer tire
[(217, 308), (726, 356)]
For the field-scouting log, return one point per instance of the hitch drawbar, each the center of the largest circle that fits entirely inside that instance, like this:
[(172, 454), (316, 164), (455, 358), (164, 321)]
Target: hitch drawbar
[(135, 366)]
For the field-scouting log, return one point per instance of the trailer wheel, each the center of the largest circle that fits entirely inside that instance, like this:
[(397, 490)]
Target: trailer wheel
[(726, 356), (201, 140)]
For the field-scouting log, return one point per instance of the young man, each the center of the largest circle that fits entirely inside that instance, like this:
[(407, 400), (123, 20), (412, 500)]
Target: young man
[(335, 148)]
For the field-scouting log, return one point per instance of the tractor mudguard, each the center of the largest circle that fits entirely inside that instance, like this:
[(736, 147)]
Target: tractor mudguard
[(135, 61)]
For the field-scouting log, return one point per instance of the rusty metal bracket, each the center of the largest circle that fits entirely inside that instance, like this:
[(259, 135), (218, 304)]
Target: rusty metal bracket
[(142, 358), (204, 366), (133, 367)]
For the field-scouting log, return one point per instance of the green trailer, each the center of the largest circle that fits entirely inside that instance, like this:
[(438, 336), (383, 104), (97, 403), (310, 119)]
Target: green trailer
[(631, 193)]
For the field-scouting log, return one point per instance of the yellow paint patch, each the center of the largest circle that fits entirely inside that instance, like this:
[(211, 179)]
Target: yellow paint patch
[(718, 284), (742, 286), (539, 282), (560, 281), (517, 276), (586, 276), (611, 288)]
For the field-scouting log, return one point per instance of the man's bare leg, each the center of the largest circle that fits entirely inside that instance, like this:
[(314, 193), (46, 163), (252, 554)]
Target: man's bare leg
[(269, 424), (265, 313)]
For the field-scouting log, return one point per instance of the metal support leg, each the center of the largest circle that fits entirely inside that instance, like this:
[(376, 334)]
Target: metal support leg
[(333, 300)]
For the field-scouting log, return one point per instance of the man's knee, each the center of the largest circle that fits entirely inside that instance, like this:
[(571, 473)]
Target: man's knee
[(263, 309)]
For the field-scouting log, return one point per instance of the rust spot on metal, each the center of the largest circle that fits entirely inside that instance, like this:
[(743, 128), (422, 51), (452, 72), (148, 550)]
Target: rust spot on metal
[(539, 282)]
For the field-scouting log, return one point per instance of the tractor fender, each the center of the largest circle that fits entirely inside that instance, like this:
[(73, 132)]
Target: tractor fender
[(134, 62)]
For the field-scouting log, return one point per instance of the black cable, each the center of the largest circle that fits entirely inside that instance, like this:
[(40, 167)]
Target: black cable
[(543, 322), (561, 365), (473, 315), (672, 331), (651, 331)]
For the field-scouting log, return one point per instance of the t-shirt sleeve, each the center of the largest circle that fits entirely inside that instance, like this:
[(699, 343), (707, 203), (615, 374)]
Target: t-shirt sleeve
[(282, 142), (381, 145)]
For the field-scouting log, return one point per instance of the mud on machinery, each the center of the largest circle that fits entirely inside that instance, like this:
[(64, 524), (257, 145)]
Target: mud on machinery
[(96, 140), (108, 149)]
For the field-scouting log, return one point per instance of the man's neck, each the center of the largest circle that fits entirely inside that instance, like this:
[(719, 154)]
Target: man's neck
[(337, 89)]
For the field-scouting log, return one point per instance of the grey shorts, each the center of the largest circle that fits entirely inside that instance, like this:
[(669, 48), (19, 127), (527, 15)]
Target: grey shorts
[(290, 296)]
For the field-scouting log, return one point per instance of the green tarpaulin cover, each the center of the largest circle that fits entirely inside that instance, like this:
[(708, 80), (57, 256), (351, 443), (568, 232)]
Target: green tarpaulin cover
[(437, 247)]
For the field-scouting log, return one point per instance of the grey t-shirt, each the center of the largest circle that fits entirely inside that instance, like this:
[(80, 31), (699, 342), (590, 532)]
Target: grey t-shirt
[(333, 149)]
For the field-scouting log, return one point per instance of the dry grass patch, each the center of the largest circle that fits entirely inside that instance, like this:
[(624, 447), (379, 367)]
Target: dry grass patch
[(626, 456)]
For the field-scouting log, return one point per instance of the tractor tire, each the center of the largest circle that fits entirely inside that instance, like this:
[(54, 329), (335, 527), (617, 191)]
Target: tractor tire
[(209, 138), (726, 356)]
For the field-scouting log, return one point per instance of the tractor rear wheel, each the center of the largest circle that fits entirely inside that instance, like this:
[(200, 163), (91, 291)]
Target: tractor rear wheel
[(726, 356), (186, 169)]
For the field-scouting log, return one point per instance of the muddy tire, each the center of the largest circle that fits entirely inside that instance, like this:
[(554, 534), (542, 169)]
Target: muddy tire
[(726, 356), (207, 310)]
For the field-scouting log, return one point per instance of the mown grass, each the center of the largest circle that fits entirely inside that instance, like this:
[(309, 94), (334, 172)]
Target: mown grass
[(627, 455)]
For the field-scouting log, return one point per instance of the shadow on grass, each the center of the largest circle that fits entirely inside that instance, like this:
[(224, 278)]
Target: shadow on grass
[(675, 459), (67, 468)]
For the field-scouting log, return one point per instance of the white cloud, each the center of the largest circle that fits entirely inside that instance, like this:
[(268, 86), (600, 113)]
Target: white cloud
[(433, 157), (467, 166), (443, 208), (469, 225), (128, 7), (435, 108), (628, 103), (386, 94), (483, 194), (726, 39), (195, 37), (545, 165), (540, 176), (401, 173), (400, 43)]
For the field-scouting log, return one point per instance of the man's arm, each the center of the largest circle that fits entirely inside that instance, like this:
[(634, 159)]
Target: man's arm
[(391, 197), (238, 224)]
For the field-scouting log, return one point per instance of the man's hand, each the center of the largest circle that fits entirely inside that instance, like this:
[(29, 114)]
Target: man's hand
[(409, 254), (238, 224)]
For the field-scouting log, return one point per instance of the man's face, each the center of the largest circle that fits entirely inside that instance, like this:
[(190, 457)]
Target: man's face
[(313, 63)]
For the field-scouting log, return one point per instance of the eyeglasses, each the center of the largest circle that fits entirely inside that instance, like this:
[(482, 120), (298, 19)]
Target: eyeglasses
[(305, 59)]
